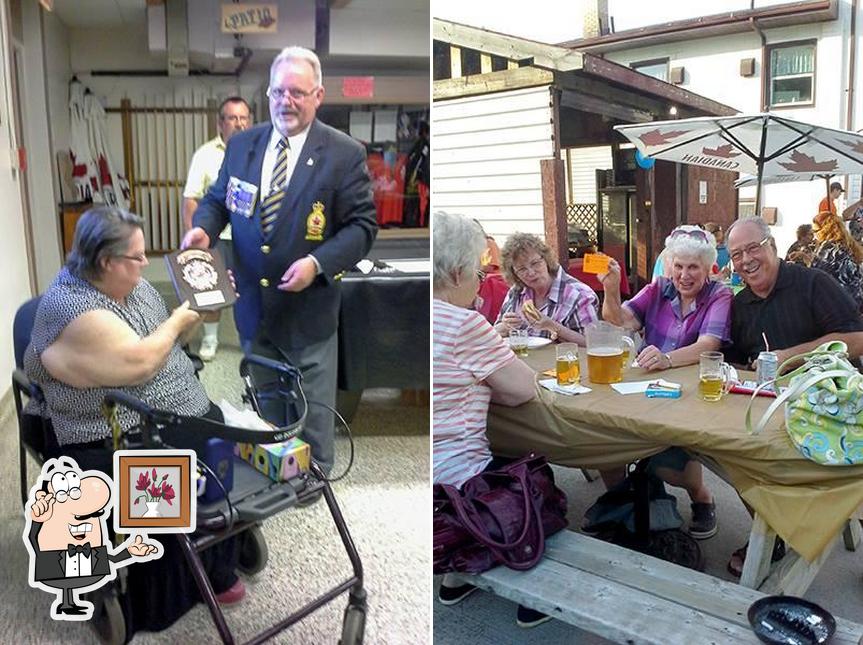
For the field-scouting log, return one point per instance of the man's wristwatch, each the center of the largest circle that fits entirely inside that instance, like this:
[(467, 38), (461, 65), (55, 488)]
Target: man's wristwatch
[(668, 358)]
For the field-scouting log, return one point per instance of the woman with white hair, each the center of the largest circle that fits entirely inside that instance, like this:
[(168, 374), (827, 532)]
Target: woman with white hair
[(472, 366), (681, 317)]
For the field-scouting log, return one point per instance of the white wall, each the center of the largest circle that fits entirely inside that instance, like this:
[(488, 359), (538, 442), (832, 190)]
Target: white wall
[(486, 152), (41, 168), (712, 68), (362, 26), (58, 72), (14, 284), (584, 164)]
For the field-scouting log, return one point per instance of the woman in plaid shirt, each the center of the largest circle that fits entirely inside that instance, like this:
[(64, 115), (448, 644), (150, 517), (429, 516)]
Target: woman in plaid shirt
[(566, 305)]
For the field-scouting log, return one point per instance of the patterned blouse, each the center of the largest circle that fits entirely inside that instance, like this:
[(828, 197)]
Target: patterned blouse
[(570, 302), (658, 308), (75, 412), (834, 259)]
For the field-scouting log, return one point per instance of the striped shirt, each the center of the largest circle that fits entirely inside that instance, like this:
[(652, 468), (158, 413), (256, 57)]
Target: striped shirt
[(657, 308), (570, 302), (466, 350)]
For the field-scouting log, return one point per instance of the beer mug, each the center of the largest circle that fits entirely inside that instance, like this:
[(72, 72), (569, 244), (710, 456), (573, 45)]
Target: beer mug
[(518, 342), (567, 367), (714, 376), (605, 352)]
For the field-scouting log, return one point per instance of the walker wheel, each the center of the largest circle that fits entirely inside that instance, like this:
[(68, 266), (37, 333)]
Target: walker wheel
[(254, 553), (354, 626), (108, 620)]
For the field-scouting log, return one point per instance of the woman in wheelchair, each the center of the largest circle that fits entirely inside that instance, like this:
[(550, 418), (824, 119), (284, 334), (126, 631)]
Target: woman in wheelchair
[(101, 326)]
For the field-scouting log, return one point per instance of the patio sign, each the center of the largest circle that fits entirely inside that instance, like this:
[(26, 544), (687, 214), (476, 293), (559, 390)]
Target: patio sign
[(260, 18)]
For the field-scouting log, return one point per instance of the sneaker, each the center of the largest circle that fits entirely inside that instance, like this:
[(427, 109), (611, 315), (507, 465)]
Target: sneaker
[(233, 594), (527, 617), (454, 595), (209, 345), (703, 522)]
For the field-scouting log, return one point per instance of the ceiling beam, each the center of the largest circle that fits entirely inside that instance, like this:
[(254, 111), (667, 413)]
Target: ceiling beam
[(596, 105)]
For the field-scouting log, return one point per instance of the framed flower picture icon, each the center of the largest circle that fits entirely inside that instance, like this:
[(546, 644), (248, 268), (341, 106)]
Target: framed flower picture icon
[(155, 491)]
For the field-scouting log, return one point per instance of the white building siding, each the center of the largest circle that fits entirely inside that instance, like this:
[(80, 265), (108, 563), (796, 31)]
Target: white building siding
[(486, 152), (712, 69), (584, 162)]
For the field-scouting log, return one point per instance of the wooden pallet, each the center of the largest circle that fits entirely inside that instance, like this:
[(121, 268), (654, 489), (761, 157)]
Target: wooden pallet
[(628, 597)]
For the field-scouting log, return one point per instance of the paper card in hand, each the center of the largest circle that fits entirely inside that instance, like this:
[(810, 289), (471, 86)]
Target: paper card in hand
[(595, 263), (199, 276)]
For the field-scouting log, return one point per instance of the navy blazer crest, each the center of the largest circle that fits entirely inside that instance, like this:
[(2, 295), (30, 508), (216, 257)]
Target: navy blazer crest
[(327, 212)]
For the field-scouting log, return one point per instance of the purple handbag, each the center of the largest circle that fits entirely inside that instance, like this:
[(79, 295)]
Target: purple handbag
[(497, 517)]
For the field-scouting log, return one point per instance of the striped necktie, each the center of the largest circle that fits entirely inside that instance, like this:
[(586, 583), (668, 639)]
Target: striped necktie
[(270, 206)]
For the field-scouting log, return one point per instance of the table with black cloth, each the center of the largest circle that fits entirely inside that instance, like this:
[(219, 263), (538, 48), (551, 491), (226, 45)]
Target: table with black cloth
[(384, 324)]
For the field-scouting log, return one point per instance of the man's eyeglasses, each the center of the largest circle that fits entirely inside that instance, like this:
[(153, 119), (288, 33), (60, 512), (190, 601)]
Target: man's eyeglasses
[(750, 249), (533, 266), (697, 233), (278, 93), (136, 258), (235, 118)]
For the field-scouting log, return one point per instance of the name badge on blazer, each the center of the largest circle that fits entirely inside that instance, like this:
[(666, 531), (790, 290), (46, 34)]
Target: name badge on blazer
[(240, 197)]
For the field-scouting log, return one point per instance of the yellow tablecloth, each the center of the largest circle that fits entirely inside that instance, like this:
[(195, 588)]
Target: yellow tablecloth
[(805, 503)]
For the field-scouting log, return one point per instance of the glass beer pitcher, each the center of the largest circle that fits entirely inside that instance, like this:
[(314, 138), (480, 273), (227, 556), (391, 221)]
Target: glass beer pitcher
[(606, 347)]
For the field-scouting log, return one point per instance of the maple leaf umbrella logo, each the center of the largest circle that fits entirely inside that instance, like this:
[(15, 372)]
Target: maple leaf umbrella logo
[(801, 162), (726, 152), (658, 138), (856, 146)]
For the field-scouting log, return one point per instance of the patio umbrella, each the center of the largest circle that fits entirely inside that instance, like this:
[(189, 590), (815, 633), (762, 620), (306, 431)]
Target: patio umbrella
[(764, 145)]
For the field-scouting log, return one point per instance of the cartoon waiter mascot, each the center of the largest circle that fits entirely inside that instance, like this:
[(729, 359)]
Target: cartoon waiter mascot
[(65, 534)]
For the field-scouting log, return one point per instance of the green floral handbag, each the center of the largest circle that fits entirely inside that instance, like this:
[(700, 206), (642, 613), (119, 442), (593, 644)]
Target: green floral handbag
[(823, 406)]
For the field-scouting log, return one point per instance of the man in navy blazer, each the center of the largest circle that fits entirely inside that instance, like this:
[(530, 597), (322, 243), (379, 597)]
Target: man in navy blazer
[(298, 196)]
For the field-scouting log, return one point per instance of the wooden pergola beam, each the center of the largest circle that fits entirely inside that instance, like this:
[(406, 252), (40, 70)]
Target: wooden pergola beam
[(507, 79), (510, 47)]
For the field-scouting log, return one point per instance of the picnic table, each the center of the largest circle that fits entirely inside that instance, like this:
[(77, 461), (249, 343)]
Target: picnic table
[(806, 504)]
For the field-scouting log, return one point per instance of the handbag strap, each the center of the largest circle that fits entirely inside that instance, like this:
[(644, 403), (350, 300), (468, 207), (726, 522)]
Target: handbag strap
[(476, 532), (790, 393)]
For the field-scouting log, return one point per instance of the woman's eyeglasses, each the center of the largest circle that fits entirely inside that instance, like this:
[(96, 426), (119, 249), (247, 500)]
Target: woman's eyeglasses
[(697, 233), (532, 266), (140, 259)]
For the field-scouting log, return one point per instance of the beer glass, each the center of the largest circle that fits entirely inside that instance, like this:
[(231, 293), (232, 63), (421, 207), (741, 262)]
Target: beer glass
[(518, 342), (605, 349), (567, 368), (713, 376)]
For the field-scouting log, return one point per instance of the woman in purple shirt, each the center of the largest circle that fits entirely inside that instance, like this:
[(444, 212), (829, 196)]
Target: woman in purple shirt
[(681, 317)]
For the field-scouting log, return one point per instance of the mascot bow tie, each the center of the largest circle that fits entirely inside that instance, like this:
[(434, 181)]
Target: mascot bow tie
[(74, 549)]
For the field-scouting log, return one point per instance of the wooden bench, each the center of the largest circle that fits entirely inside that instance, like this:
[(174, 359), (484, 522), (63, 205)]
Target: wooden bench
[(628, 597)]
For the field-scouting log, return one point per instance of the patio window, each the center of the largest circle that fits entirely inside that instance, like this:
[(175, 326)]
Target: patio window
[(657, 68), (791, 79)]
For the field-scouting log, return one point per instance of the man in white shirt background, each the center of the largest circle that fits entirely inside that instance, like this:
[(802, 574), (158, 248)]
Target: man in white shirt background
[(234, 116)]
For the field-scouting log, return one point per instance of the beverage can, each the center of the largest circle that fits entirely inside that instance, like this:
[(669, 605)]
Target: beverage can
[(766, 367)]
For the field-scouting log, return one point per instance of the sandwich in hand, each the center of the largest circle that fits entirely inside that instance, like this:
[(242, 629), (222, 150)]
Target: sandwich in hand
[(531, 312)]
